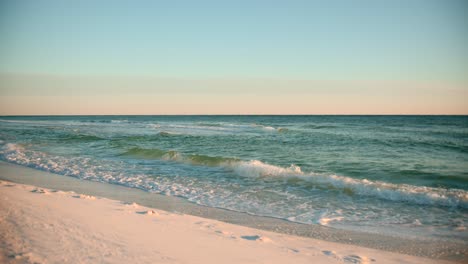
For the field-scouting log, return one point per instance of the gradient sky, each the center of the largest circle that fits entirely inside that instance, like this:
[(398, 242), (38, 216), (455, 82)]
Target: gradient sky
[(234, 57)]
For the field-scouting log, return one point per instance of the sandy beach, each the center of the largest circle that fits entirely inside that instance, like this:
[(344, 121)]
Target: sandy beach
[(233, 132), (41, 225)]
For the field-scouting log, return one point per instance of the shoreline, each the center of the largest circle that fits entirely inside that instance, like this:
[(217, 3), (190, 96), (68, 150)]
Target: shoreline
[(44, 225), (414, 247)]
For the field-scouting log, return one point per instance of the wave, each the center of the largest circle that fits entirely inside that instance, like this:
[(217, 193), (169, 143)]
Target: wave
[(255, 126), (256, 168), (282, 130), (119, 121), (267, 128), (420, 195), (316, 126), (55, 122), (173, 155), (79, 167), (189, 129), (216, 128), (81, 138), (145, 153), (34, 122), (383, 190), (209, 124), (167, 134)]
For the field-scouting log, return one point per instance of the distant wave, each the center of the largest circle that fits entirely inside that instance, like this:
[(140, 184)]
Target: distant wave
[(25, 121), (82, 167), (167, 134), (80, 138), (188, 128), (209, 124), (62, 122), (217, 128), (318, 126), (177, 156), (119, 121)]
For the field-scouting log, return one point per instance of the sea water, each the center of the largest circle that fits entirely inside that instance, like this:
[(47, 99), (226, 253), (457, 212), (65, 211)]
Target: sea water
[(397, 175)]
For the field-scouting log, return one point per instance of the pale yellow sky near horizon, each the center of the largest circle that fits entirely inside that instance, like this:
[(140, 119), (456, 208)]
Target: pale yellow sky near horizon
[(107, 95)]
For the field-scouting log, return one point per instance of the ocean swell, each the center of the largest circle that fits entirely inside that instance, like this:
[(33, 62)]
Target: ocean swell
[(88, 169), (173, 155)]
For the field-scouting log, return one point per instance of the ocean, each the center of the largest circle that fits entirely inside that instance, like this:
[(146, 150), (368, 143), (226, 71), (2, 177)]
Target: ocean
[(396, 175)]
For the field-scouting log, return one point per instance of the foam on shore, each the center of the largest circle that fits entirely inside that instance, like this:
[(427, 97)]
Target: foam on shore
[(136, 200)]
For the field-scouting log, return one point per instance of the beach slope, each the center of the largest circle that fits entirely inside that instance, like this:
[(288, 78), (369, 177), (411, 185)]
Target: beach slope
[(39, 225)]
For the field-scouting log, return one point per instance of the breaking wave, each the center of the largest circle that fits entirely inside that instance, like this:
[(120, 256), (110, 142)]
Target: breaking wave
[(254, 168)]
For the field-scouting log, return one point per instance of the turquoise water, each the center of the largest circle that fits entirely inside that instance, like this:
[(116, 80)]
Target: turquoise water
[(401, 175)]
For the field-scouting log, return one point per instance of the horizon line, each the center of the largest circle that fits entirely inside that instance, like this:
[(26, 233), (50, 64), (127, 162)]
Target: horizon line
[(60, 115)]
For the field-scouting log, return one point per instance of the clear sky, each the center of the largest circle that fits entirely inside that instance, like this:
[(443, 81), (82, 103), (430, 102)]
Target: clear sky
[(234, 57)]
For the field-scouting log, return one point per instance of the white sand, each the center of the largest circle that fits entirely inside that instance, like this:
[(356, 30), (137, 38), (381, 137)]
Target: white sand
[(46, 226)]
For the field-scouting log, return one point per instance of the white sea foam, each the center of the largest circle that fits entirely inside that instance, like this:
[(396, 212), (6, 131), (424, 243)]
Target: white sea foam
[(118, 121), (86, 169), (256, 168), (379, 189), (327, 220), (26, 121), (215, 128)]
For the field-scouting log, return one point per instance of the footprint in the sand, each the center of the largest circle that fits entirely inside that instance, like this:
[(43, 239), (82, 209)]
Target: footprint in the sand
[(330, 253), (148, 212), (251, 238), (206, 224), (226, 234), (357, 259), (291, 250), (39, 190), (132, 204), (222, 232), (256, 238), (84, 196)]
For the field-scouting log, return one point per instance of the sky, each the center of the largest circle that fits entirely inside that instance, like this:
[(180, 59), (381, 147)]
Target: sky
[(233, 57)]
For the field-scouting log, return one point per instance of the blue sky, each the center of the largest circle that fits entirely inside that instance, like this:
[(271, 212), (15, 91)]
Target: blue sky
[(374, 40)]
